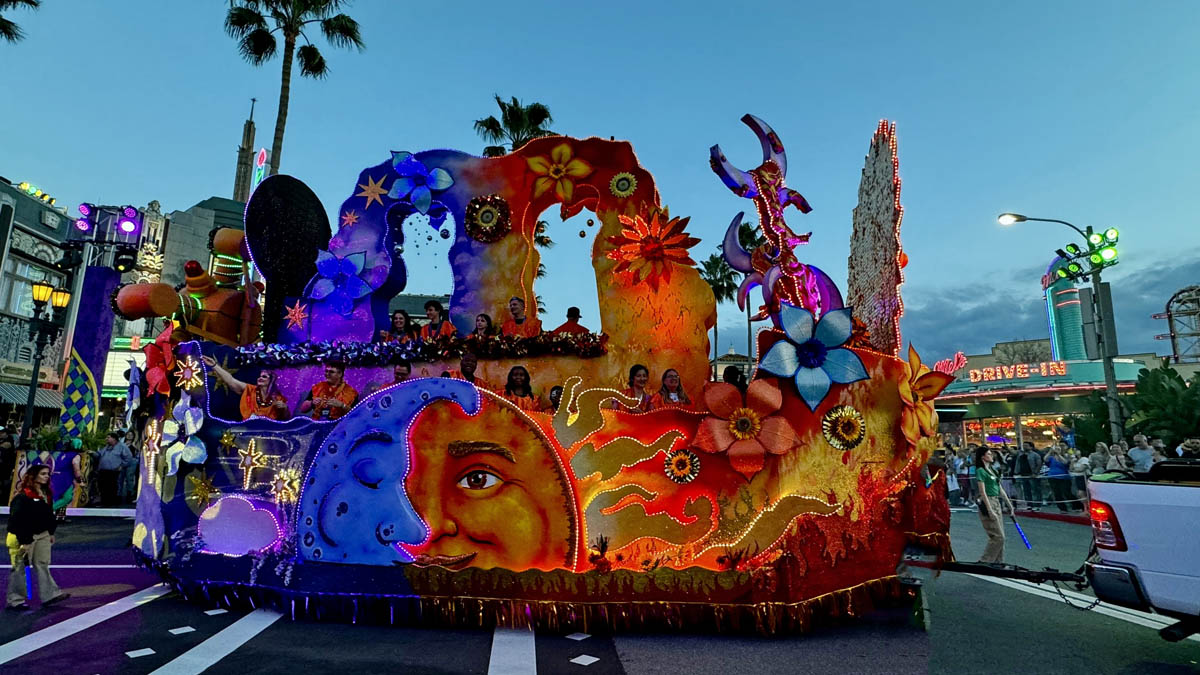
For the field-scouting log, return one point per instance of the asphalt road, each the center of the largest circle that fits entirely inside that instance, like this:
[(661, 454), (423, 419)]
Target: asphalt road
[(974, 626)]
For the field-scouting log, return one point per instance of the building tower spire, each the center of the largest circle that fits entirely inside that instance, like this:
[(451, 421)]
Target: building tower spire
[(245, 159)]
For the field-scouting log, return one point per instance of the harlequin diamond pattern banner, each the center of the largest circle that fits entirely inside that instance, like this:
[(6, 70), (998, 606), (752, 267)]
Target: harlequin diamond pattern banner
[(80, 396)]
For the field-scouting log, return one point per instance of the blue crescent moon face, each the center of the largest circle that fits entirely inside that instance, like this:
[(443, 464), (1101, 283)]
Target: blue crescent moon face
[(353, 508)]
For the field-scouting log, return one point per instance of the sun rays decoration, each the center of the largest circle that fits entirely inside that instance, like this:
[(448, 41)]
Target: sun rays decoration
[(649, 248)]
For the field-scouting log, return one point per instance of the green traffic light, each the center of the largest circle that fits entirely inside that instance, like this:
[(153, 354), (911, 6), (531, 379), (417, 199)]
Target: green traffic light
[(1111, 235), (1095, 238), (1108, 253), (1095, 258), (1073, 249), (1062, 274), (1074, 268)]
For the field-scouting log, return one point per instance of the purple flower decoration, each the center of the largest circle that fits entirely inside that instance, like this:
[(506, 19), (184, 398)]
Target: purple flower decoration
[(338, 281), (813, 355), (416, 181)]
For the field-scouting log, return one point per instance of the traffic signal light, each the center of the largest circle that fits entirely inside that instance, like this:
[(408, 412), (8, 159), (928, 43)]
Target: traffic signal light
[(125, 258)]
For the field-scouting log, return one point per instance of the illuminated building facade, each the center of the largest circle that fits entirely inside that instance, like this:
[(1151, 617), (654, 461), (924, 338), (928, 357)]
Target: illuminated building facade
[(1006, 397), (1064, 313)]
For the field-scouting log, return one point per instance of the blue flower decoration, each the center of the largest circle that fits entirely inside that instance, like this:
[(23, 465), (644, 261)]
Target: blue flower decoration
[(338, 282), (416, 181), (813, 355)]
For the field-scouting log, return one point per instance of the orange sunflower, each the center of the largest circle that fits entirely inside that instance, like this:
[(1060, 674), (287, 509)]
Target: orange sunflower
[(648, 249), (745, 428), (558, 171), (917, 392)]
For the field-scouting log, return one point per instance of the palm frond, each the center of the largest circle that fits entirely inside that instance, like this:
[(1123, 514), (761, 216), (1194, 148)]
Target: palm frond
[(537, 115), (9, 31), (241, 21), (342, 31), (495, 151), (19, 4), (258, 46), (490, 129), (312, 64)]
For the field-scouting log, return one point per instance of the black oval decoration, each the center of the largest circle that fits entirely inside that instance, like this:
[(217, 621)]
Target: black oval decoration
[(286, 226)]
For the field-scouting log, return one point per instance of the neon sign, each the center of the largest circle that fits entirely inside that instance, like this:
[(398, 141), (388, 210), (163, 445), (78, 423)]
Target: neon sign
[(952, 365), (1019, 371), (260, 168)]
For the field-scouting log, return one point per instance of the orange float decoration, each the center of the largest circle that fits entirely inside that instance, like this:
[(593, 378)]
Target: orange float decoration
[(764, 510)]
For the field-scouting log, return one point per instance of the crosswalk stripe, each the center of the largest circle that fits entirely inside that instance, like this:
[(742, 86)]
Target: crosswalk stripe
[(23, 645), (208, 653), (513, 652)]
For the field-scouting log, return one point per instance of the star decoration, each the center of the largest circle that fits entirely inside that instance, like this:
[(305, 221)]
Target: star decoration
[(152, 442), (296, 315), (188, 376), (228, 443), (252, 458), (218, 383), (286, 487), (350, 217), (372, 191), (202, 489)]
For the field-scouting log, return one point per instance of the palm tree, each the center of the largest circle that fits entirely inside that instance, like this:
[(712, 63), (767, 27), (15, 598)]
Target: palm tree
[(518, 124), (9, 31), (254, 24), (720, 276), (750, 238)]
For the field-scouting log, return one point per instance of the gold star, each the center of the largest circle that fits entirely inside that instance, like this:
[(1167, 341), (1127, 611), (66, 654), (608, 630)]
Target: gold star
[(188, 376), (296, 315), (252, 458), (372, 191), (228, 442), (218, 383), (351, 217), (202, 489), (286, 487)]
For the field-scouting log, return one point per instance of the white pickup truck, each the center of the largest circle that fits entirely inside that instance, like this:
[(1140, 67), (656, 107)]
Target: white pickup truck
[(1146, 529)]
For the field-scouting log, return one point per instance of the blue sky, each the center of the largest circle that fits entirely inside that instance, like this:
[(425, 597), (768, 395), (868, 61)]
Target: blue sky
[(1083, 111)]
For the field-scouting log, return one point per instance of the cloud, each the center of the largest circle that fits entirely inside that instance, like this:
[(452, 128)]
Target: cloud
[(972, 317), (235, 526)]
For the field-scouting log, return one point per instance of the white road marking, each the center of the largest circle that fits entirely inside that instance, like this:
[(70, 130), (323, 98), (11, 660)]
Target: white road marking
[(98, 512), (208, 653), (584, 660), (23, 645), (1155, 621), (214, 612), (513, 652), (578, 636), (181, 630), (139, 652)]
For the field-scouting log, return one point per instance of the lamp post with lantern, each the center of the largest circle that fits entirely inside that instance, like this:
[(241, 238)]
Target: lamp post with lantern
[(42, 331), (1083, 263)]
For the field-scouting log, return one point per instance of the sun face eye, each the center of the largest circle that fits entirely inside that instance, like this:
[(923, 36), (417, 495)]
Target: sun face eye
[(478, 479)]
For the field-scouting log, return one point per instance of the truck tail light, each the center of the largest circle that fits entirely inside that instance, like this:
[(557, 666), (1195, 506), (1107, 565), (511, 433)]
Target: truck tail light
[(1106, 531)]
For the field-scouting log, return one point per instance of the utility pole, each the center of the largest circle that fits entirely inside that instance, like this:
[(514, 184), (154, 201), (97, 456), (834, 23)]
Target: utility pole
[(1115, 423)]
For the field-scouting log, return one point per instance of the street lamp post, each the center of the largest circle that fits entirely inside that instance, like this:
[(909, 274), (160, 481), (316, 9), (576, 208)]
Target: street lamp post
[(42, 331), (1115, 421)]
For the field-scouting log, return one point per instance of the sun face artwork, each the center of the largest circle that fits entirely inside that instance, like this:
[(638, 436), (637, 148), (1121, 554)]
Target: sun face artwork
[(694, 501)]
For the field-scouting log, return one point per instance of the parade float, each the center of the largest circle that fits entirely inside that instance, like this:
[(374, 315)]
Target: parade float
[(440, 501)]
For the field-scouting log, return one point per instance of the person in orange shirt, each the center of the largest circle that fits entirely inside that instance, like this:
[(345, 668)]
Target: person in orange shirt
[(483, 327), (331, 398), (261, 399), (437, 326), (572, 323), (671, 394), (639, 375), (466, 371), (518, 391), (402, 328), (520, 324)]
